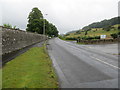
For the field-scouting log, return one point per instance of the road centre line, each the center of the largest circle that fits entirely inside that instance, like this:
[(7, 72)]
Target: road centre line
[(96, 58), (105, 62)]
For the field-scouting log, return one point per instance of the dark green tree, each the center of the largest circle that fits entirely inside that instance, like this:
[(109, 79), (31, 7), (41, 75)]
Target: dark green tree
[(86, 32), (35, 21), (35, 14), (114, 36), (52, 30)]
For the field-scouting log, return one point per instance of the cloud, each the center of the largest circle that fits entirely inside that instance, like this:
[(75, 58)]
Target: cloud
[(67, 15)]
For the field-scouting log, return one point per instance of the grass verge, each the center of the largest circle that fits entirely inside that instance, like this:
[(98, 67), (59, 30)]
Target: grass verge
[(0, 78), (33, 69)]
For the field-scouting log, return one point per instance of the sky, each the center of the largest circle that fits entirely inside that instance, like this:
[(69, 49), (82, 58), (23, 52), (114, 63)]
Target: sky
[(66, 15)]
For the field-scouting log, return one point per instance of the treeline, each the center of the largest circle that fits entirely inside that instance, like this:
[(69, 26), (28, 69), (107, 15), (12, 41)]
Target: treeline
[(103, 24), (36, 23)]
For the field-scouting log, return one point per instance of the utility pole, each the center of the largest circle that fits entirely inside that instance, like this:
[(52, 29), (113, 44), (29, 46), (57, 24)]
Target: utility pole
[(44, 27)]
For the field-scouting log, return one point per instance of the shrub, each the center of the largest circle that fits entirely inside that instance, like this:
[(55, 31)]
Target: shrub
[(71, 38), (97, 37), (7, 25), (90, 38), (114, 36)]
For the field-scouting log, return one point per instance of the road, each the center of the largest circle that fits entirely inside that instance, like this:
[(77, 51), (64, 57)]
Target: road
[(84, 66)]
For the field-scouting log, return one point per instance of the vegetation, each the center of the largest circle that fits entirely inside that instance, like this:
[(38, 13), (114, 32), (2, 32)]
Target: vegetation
[(110, 28), (36, 23), (103, 24), (33, 69), (9, 26), (94, 33), (0, 78), (114, 35)]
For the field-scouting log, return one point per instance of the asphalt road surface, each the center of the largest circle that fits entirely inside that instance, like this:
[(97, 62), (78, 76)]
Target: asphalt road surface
[(84, 66)]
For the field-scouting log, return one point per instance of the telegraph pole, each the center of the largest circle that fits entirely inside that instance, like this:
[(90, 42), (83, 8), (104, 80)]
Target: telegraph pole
[(44, 27)]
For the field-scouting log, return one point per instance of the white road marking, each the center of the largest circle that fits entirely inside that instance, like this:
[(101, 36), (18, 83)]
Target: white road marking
[(94, 57), (105, 62)]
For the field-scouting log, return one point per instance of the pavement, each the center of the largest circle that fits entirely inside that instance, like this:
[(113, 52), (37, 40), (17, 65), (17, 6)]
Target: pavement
[(84, 66)]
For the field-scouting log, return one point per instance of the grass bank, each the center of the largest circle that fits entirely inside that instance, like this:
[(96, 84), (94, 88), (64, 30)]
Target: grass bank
[(33, 69), (94, 32), (0, 78)]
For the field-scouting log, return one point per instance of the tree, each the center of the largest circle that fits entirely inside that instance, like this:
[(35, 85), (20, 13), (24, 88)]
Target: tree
[(35, 14), (86, 32), (35, 22), (52, 30), (114, 35)]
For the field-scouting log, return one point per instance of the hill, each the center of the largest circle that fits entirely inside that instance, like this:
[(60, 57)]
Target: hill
[(103, 24), (72, 32), (93, 31)]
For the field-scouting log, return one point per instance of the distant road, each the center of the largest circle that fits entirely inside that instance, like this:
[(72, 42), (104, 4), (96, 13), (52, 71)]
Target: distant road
[(84, 66)]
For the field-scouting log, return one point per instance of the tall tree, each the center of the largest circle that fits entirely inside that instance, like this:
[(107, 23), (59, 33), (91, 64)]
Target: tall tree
[(35, 21), (35, 14), (36, 24)]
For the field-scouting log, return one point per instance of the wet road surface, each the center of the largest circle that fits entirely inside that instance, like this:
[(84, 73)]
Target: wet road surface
[(83, 66)]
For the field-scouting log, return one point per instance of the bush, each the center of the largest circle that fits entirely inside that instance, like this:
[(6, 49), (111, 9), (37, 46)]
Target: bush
[(7, 26), (97, 37), (86, 33), (90, 38), (114, 36), (71, 38)]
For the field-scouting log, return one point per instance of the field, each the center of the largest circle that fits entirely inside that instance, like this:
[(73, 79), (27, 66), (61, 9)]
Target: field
[(33, 69), (95, 32)]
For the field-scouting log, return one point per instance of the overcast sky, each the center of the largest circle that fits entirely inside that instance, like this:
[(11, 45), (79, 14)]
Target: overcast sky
[(67, 15)]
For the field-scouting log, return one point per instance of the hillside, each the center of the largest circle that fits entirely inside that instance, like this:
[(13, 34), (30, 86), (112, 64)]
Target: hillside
[(104, 23), (72, 31), (95, 32)]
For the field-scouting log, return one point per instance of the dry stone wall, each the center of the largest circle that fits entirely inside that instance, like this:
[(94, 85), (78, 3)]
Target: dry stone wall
[(102, 41), (13, 40)]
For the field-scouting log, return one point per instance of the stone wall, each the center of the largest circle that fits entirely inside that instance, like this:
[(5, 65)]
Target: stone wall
[(13, 40), (101, 41)]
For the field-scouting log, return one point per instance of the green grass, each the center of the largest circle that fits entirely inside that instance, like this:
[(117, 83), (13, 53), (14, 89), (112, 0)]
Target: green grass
[(0, 78), (96, 33), (33, 69)]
